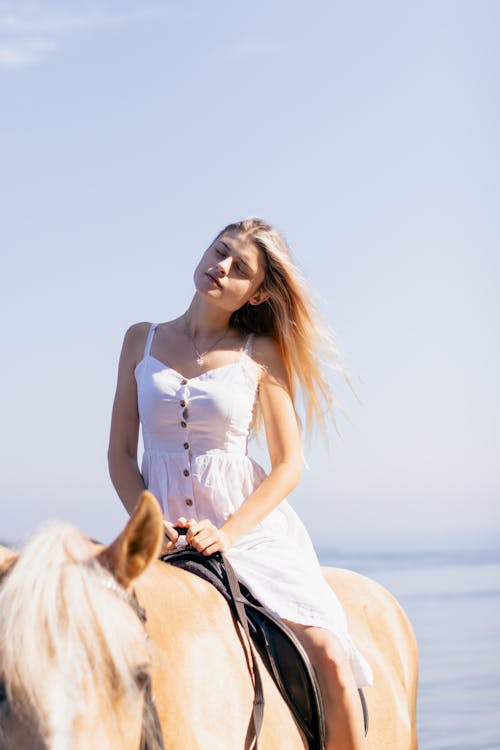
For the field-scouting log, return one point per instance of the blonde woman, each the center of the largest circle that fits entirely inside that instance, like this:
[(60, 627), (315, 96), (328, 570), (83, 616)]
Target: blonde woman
[(197, 384)]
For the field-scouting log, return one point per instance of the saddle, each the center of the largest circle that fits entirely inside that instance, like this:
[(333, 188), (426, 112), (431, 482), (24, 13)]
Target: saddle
[(280, 650)]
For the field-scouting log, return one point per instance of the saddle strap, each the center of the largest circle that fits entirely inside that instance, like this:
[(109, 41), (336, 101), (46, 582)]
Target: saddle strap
[(153, 738), (258, 702)]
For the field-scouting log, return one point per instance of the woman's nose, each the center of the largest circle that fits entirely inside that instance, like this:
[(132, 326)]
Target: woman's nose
[(223, 266)]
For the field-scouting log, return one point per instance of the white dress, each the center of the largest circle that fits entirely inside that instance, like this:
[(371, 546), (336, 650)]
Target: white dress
[(195, 462)]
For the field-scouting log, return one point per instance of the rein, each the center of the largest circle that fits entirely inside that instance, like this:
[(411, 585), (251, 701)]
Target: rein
[(257, 717), (149, 708)]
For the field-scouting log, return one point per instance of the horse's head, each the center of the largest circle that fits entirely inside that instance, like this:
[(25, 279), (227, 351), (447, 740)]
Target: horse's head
[(74, 657)]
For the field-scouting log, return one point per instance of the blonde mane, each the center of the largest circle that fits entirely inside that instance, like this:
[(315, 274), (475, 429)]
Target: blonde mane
[(67, 641)]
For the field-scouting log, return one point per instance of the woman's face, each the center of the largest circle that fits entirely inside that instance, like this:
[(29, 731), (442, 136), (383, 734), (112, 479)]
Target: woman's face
[(231, 272)]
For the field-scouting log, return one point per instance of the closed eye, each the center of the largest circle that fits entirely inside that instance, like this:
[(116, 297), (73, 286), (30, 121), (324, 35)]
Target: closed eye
[(238, 266), (3, 697), (142, 678)]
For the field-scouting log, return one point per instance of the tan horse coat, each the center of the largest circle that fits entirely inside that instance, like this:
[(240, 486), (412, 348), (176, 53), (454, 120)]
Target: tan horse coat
[(214, 702), (201, 682)]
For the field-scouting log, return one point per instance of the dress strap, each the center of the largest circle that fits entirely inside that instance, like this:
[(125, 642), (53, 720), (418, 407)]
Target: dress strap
[(149, 339), (249, 344)]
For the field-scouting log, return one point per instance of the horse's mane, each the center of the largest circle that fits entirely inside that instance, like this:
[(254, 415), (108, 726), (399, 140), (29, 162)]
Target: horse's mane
[(66, 640)]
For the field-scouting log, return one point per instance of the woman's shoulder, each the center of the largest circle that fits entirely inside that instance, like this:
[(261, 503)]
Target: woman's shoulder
[(264, 348), (137, 333), (138, 329), (266, 353), (134, 341)]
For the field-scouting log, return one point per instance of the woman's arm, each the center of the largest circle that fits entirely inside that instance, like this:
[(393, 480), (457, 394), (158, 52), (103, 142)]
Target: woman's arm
[(124, 432), (284, 444), (283, 441)]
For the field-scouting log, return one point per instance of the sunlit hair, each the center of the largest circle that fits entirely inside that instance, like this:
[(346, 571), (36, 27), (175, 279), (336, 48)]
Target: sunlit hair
[(291, 318), (68, 643)]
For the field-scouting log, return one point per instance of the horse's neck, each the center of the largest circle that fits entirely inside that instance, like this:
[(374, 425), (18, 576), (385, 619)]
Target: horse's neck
[(180, 606), (166, 585), (194, 638)]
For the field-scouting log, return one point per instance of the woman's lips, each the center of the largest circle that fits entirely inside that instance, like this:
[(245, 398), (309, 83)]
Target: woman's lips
[(214, 279)]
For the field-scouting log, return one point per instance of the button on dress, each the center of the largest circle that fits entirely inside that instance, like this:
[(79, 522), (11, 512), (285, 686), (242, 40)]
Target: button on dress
[(195, 434)]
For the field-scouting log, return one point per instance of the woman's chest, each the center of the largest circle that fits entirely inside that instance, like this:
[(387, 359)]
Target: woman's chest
[(223, 396)]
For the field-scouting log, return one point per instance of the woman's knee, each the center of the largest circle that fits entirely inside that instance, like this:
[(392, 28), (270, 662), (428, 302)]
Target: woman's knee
[(326, 652), (334, 659)]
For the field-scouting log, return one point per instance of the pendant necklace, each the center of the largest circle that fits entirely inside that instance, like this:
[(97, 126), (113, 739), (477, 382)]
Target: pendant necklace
[(201, 355)]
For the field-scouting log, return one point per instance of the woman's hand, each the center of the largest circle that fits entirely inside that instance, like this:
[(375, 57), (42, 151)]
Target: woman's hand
[(204, 536), (170, 538)]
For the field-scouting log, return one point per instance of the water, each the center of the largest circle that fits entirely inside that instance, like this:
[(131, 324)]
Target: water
[(452, 598)]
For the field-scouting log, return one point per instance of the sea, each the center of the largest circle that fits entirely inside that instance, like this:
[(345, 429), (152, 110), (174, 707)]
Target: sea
[(452, 597)]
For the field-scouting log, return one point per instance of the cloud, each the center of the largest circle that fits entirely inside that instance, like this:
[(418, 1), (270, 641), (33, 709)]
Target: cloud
[(23, 52), (29, 32)]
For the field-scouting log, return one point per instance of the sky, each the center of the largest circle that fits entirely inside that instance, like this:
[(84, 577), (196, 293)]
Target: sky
[(132, 132)]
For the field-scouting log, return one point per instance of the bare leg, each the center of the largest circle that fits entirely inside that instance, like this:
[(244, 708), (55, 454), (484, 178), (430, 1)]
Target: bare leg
[(343, 712)]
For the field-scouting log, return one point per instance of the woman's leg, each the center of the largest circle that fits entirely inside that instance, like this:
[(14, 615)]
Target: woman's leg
[(343, 711)]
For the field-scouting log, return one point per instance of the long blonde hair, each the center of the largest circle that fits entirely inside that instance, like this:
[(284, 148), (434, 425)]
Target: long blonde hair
[(291, 318)]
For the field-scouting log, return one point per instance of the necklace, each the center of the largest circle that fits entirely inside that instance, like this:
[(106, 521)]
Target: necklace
[(200, 356)]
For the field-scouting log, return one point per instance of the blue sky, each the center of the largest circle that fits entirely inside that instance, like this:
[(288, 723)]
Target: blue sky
[(367, 132)]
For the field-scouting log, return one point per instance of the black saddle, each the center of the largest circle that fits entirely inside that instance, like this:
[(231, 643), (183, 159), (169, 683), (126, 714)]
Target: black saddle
[(278, 646)]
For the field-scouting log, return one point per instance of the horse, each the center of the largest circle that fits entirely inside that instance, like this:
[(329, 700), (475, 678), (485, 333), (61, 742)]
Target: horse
[(76, 660)]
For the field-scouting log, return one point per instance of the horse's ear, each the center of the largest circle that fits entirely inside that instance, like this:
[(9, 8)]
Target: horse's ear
[(7, 560), (138, 544)]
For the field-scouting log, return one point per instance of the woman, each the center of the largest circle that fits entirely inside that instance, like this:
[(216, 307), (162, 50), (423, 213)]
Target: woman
[(197, 384)]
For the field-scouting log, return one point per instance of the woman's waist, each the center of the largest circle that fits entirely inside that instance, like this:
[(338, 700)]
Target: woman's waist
[(192, 452)]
